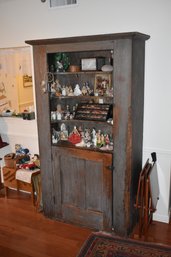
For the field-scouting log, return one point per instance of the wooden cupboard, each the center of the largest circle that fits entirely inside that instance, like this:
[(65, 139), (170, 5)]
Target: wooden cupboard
[(90, 185)]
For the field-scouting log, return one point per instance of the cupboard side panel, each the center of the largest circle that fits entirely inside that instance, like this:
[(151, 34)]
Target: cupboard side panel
[(43, 122), (122, 133), (107, 192), (137, 121)]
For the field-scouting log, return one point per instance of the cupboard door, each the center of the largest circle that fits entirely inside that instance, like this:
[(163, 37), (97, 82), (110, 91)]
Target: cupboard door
[(83, 187)]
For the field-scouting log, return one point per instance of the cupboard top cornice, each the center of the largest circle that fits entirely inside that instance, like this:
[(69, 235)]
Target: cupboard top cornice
[(90, 38)]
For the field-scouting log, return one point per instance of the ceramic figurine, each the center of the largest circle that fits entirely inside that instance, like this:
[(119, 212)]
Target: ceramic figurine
[(77, 90), (84, 90), (67, 113), (63, 132), (73, 110), (81, 131), (70, 91), (58, 112), (89, 91), (102, 139), (67, 90), (63, 91), (53, 88), (63, 136), (94, 137), (98, 138), (71, 116), (87, 136), (74, 137), (63, 127), (59, 66), (107, 140), (58, 88), (96, 93), (53, 115)]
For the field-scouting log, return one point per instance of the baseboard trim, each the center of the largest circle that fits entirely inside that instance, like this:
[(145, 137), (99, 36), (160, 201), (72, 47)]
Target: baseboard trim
[(161, 218)]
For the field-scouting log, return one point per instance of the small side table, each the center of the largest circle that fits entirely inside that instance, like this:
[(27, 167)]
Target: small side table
[(21, 179), (24, 180)]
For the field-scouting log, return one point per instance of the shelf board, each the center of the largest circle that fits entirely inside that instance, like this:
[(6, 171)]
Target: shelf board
[(81, 97), (81, 72), (74, 120), (68, 144)]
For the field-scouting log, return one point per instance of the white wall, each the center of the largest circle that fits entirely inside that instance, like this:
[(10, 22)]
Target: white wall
[(25, 20)]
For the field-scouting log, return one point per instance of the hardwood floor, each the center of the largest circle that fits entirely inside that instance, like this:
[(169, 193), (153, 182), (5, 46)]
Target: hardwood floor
[(158, 232), (27, 233)]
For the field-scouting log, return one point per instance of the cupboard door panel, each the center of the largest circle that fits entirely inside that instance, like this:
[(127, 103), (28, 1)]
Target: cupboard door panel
[(94, 184), (72, 181), (85, 188)]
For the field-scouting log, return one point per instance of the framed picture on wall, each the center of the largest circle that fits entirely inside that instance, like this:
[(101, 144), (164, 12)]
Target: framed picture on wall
[(27, 81)]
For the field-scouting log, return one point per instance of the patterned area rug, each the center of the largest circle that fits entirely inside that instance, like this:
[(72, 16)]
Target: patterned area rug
[(99, 245)]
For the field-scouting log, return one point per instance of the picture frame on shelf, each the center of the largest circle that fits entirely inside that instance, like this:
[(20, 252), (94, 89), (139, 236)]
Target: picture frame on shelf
[(103, 84), (88, 64)]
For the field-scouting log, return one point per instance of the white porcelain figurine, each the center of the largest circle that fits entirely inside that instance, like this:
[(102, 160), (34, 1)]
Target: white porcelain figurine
[(77, 90)]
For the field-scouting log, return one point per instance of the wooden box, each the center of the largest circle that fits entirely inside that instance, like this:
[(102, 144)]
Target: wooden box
[(96, 112)]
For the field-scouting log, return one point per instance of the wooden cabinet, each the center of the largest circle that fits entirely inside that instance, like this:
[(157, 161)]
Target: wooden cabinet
[(93, 184)]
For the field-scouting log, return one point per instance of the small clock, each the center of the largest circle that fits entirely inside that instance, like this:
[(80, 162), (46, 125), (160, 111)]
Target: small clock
[(88, 64)]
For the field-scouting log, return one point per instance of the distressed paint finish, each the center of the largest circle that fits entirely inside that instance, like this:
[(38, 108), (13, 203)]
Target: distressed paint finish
[(42, 103), (128, 129), (122, 78), (77, 184), (83, 187)]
